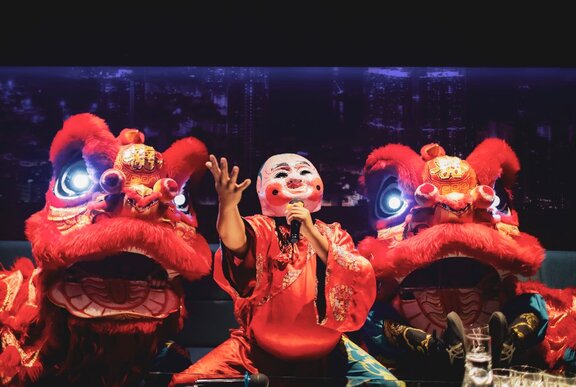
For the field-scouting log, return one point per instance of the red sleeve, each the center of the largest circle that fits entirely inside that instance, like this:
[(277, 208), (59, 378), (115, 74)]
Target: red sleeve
[(350, 288), (229, 272)]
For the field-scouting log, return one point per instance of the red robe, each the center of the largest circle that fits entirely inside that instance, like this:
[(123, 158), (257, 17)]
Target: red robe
[(277, 304)]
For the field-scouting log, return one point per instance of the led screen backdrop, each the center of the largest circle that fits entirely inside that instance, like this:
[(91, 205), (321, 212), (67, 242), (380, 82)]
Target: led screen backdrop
[(332, 115)]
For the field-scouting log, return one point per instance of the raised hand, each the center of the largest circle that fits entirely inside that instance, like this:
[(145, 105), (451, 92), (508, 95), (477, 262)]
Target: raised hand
[(229, 192)]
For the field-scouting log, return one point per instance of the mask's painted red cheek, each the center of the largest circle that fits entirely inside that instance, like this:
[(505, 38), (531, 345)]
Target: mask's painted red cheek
[(274, 195), (317, 190), (315, 196)]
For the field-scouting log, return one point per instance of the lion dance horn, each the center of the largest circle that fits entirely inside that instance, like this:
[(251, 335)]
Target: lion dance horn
[(185, 160), (493, 159)]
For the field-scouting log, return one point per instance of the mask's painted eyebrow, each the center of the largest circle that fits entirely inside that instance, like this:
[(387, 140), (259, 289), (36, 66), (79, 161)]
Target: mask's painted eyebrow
[(300, 163), (281, 165)]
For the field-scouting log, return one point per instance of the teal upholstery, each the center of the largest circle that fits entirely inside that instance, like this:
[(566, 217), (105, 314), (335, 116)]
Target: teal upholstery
[(10, 250), (558, 270)]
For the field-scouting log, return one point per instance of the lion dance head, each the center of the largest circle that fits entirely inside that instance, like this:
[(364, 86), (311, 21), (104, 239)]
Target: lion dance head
[(111, 247), (448, 237)]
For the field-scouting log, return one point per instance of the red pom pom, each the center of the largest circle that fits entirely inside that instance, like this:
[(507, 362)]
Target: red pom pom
[(131, 136)]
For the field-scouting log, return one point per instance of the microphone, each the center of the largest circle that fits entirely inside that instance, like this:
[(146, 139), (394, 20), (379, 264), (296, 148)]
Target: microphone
[(295, 225), (255, 380)]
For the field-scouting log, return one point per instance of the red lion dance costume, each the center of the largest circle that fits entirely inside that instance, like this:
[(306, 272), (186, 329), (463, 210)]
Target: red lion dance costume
[(448, 254), (110, 252)]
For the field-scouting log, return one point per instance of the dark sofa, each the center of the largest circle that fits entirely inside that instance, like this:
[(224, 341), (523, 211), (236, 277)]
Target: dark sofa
[(211, 312)]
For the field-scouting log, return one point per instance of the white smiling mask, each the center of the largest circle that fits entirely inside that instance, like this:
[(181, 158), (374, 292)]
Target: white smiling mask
[(288, 176)]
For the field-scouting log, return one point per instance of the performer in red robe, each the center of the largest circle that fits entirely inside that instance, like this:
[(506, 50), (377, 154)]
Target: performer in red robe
[(293, 299)]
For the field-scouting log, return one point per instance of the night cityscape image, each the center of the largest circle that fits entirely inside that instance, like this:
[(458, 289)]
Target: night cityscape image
[(334, 116)]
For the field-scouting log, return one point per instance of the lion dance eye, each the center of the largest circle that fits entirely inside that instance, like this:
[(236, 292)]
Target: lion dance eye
[(168, 189), (112, 181), (502, 200), (73, 181), (390, 201), (425, 194), (182, 202), (484, 196)]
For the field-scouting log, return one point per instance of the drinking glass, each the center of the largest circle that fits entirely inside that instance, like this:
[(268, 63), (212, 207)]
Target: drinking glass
[(478, 362), (478, 328), (503, 377), (556, 380), (528, 376)]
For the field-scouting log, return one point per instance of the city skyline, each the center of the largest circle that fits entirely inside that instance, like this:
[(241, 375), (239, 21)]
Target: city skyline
[(333, 115)]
